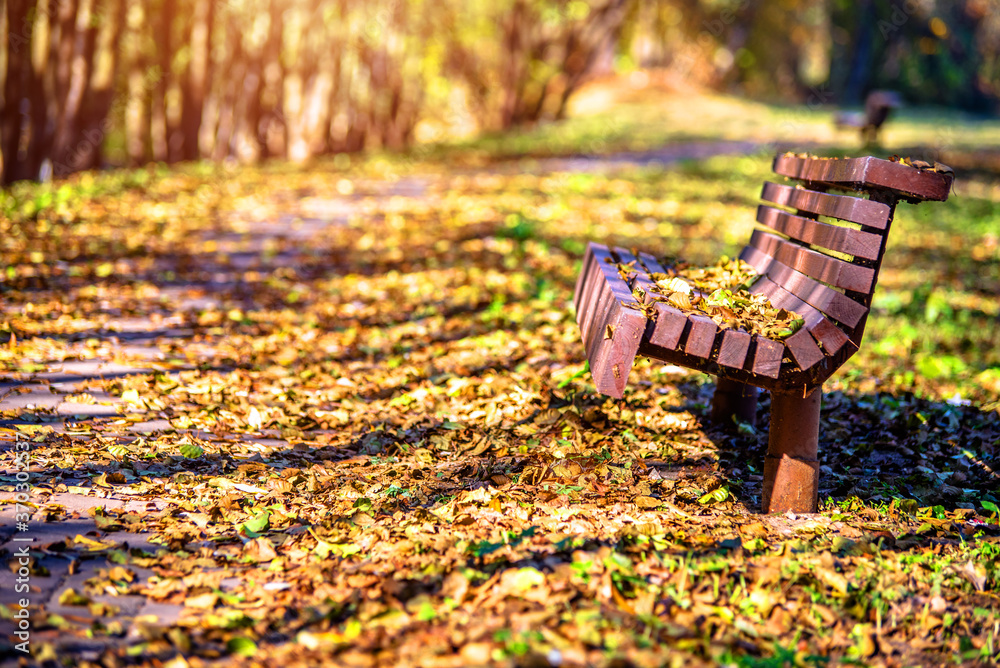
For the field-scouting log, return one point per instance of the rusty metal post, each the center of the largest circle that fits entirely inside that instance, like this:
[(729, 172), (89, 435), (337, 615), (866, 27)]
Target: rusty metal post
[(733, 398), (791, 468)]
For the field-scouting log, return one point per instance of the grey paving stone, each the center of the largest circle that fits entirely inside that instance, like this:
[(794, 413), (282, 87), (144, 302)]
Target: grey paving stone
[(40, 587), (165, 613), (43, 534), (82, 504), (150, 426), (128, 605), (96, 368), (144, 352), (36, 396), (77, 410)]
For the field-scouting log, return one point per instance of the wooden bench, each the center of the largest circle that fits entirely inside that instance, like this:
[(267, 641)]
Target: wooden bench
[(879, 105), (818, 254)]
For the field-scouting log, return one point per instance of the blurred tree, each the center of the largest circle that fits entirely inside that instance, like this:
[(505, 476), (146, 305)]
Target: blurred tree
[(251, 79), (523, 59), (932, 52), (19, 78)]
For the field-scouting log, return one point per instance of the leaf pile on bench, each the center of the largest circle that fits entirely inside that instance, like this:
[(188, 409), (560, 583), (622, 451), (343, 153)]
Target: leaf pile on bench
[(723, 293)]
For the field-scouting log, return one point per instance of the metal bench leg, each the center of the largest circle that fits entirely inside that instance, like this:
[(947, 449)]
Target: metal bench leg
[(791, 468), (733, 398)]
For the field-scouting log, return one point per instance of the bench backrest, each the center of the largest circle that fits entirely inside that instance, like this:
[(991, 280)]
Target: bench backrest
[(819, 252)]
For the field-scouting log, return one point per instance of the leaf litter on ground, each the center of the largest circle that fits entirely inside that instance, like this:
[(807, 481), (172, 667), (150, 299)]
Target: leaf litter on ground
[(383, 447)]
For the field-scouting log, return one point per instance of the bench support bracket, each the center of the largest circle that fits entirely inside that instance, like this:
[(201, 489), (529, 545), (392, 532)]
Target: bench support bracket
[(733, 398), (791, 468)]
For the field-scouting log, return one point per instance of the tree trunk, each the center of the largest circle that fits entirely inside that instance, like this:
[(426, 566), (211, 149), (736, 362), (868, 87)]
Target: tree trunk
[(196, 79), (97, 117), (19, 74), (273, 114), (69, 143), (159, 124), (141, 80), (61, 54), (39, 85)]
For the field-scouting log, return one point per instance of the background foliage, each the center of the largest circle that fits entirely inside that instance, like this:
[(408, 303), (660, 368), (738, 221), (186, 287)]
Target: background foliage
[(85, 82)]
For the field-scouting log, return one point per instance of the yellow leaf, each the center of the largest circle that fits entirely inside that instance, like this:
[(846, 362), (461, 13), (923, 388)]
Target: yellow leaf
[(90, 544), (254, 419), (132, 397), (680, 300), (524, 579), (832, 579), (204, 601), (647, 502)]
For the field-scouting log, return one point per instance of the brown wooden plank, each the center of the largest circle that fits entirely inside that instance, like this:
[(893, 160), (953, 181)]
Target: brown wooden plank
[(830, 337), (616, 355), (781, 298), (581, 282), (608, 267), (843, 207), (670, 322), (597, 317), (611, 330), (841, 239), (586, 286), (640, 279), (831, 270), (588, 293), (831, 341), (651, 263), (734, 347), (669, 326), (701, 336), (834, 304), (909, 182), (597, 300), (767, 357), (591, 307), (804, 349), (627, 258)]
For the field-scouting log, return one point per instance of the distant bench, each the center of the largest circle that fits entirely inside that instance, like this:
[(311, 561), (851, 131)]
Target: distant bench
[(817, 254), (879, 105)]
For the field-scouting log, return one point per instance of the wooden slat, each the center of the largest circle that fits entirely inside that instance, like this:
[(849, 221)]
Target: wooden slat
[(613, 361), (651, 264), (611, 331), (670, 322), (834, 304), (824, 268), (640, 277), (669, 327), (581, 283), (597, 307), (860, 172), (767, 357), (604, 313), (843, 207), (832, 340), (588, 310), (841, 239), (734, 347), (830, 337), (804, 349), (701, 336)]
